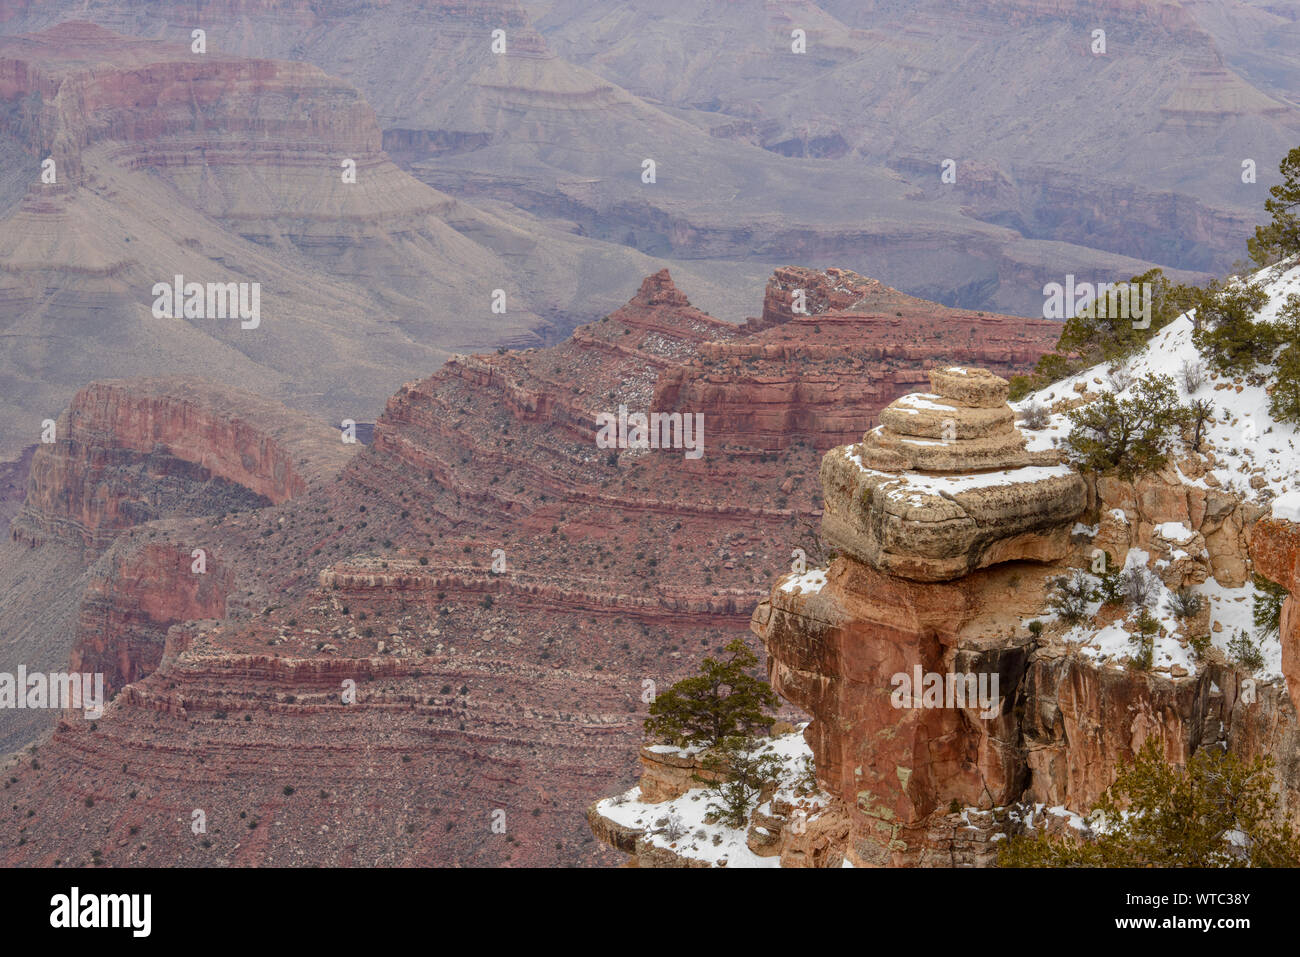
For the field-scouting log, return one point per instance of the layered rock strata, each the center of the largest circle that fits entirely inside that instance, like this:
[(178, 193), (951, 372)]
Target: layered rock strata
[(497, 586), (953, 706), (130, 451), (945, 485)]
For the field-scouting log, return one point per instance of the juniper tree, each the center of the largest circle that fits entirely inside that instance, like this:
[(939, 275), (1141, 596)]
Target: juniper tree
[(1284, 399), (1130, 436), (741, 775), (1217, 811), (723, 701), (1267, 611), (1280, 238), (1094, 335), (1226, 330), (1070, 596)]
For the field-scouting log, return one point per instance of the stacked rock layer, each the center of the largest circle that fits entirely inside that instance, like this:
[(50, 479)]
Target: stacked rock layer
[(945, 485)]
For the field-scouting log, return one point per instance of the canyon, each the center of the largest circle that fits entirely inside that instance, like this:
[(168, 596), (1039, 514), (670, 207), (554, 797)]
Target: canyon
[(475, 173), (765, 156), (952, 522), (437, 645), (390, 643), (128, 162)]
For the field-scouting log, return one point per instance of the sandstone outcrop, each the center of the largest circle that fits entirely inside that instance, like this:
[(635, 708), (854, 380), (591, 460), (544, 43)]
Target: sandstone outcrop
[(1061, 723), (993, 501), (1211, 528), (497, 586), (953, 706), (133, 599)]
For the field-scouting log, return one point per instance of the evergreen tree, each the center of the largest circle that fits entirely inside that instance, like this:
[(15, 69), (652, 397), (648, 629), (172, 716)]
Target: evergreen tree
[(1215, 812), (1129, 436), (1267, 611), (743, 773), (1280, 239), (1284, 400), (722, 701), (1284, 397), (1226, 331), (1095, 335)]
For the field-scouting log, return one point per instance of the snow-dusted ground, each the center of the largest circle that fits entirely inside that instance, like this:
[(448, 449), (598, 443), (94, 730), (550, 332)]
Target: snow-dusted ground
[(716, 843), (1232, 608), (1247, 438), (1243, 439)]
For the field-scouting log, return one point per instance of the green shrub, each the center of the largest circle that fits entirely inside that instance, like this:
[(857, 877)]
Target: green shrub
[(1245, 653), (723, 701), (1129, 436), (1144, 642), (1185, 603), (1070, 596), (1226, 331), (1280, 238), (1267, 613), (744, 775), (1216, 811)]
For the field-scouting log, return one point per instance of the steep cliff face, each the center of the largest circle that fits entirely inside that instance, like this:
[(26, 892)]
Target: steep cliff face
[(905, 599), (13, 487), (1275, 549), (133, 599), (954, 702), (75, 579), (131, 451)]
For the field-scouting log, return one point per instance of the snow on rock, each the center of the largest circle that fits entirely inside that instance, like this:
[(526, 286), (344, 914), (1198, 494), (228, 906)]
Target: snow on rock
[(810, 582), (1175, 532), (1247, 442), (682, 824), (1287, 507), (1231, 611)]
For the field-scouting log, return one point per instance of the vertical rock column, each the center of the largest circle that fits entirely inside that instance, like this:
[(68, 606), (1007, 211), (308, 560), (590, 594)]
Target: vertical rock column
[(942, 489)]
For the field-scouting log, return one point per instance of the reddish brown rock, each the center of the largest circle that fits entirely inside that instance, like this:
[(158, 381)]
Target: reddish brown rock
[(1275, 549), (130, 451), (824, 377), (498, 587), (835, 653), (135, 597)]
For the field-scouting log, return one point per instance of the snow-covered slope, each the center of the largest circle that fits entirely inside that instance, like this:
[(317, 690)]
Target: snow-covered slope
[(1245, 441), (1249, 454)]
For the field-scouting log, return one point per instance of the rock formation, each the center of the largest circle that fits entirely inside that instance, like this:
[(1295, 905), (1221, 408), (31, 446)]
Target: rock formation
[(126, 454), (952, 704), (945, 485), (823, 377), (497, 586), (130, 451), (222, 168)]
